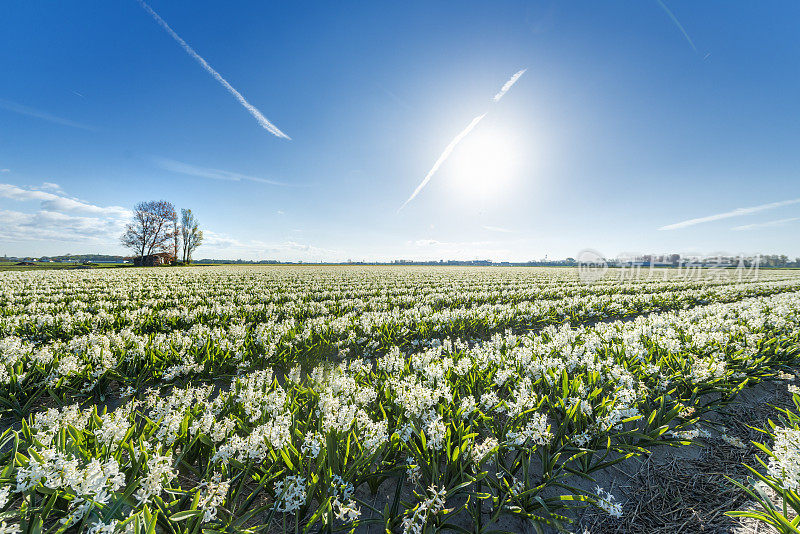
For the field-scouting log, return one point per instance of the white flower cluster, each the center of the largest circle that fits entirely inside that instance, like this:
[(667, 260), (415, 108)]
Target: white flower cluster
[(90, 483), (424, 511), (159, 470), (290, 494), (344, 507), (691, 435), (212, 495), (785, 465), (481, 451), (535, 432), (607, 502)]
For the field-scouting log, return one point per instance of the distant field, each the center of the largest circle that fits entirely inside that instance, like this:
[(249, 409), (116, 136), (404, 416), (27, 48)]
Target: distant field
[(12, 266), (249, 397)]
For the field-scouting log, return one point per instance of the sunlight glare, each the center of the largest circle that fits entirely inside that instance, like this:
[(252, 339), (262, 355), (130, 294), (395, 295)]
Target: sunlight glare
[(485, 165)]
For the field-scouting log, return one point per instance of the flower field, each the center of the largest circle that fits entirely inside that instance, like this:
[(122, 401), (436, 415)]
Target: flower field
[(327, 399)]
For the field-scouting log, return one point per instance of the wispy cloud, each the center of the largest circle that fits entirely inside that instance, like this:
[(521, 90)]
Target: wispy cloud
[(431, 249), (393, 96), (448, 149), (738, 212), (506, 86), (39, 114), (437, 243), (60, 227), (678, 24), (59, 218), (768, 224), (215, 174), (50, 186), (5, 170), (457, 139), (498, 229), (225, 246), (53, 202), (262, 120)]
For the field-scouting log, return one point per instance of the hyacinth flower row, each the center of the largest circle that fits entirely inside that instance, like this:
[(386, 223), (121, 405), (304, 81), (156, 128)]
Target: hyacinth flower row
[(462, 432), (93, 352)]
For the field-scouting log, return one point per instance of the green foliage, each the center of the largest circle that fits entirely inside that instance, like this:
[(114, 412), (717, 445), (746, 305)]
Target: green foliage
[(778, 475), (234, 400)]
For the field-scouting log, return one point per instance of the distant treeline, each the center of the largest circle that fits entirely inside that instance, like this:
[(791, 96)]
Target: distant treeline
[(71, 258), (764, 261), (247, 262)]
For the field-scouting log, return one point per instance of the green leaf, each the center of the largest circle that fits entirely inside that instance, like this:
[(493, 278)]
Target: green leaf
[(186, 514)]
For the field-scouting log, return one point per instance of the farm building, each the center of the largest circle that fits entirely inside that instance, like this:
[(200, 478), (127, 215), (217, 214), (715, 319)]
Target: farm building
[(150, 260)]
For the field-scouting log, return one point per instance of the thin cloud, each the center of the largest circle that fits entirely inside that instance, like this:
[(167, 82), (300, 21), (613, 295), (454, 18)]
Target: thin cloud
[(39, 114), (50, 186), (60, 227), (738, 212), (449, 148), (437, 243), (262, 120), (428, 243), (5, 170), (60, 218), (508, 84), (432, 249), (768, 224), (678, 24), (53, 202), (214, 174), (498, 229), (221, 244)]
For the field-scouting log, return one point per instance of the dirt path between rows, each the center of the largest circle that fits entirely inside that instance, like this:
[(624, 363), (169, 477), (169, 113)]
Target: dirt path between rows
[(683, 489)]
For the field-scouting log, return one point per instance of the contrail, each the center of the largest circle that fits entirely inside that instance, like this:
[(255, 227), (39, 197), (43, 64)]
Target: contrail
[(678, 24), (262, 120), (498, 229), (738, 212), (457, 139), (508, 84), (31, 112), (215, 174), (779, 222)]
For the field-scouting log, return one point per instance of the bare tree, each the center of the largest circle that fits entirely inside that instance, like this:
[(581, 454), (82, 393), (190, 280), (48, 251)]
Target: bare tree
[(191, 233), (150, 230), (175, 235)]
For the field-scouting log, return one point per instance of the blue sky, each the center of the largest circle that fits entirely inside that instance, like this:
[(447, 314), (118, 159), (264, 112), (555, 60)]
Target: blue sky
[(624, 134)]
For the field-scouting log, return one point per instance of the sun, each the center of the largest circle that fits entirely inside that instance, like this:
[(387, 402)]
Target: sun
[(486, 165)]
